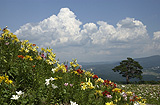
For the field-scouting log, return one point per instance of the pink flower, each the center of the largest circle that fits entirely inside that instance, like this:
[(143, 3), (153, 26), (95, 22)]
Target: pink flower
[(42, 55), (80, 66), (71, 85), (7, 43), (66, 84), (109, 96)]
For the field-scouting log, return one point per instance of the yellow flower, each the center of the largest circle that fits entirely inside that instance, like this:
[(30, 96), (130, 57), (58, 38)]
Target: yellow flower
[(87, 85), (140, 103), (91, 87), (6, 31), (51, 58), (3, 35), (77, 64), (39, 57), (50, 63), (22, 49), (8, 81), (29, 46), (26, 50), (24, 42), (30, 59), (59, 77), (27, 57), (144, 100), (74, 65), (47, 60), (99, 92), (84, 87), (63, 68), (129, 93), (116, 90), (100, 80), (17, 40), (55, 69), (60, 67), (34, 49), (49, 50), (110, 103), (55, 78), (71, 63), (116, 100), (75, 72), (14, 36), (88, 73), (6, 76), (2, 78), (42, 49), (1, 38), (53, 55)]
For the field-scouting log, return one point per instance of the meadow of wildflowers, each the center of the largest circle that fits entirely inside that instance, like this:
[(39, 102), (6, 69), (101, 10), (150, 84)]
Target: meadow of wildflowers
[(32, 77), (146, 91)]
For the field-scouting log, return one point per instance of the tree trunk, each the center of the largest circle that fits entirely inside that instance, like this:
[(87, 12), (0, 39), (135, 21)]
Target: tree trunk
[(127, 79)]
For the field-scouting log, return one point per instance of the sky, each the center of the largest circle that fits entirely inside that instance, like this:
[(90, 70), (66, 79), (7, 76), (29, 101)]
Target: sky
[(88, 30)]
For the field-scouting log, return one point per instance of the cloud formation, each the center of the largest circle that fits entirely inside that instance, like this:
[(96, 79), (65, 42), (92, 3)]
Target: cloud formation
[(156, 35), (94, 41)]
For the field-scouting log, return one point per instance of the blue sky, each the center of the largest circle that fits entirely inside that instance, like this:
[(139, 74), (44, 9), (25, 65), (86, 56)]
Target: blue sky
[(89, 30)]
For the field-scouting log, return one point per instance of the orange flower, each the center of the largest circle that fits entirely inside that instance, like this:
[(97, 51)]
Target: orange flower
[(132, 100), (34, 66), (20, 56), (95, 76), (79, 71), (34, 44)]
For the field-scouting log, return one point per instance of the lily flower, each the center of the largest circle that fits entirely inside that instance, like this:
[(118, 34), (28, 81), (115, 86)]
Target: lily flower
[(15, 97)]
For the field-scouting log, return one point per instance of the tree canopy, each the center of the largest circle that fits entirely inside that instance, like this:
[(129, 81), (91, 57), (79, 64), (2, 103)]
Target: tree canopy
[(129, 69)]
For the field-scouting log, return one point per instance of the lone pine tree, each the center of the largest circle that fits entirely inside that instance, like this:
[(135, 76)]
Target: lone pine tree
[(129, 69)]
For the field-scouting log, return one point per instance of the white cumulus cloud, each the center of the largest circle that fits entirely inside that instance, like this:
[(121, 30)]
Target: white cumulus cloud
[(130, 29), (156, 35), (55, 30), (94, 41), (156, 42)]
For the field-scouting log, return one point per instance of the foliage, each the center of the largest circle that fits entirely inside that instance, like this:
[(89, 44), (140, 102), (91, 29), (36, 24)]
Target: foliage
[(31, 77), (129, 69)]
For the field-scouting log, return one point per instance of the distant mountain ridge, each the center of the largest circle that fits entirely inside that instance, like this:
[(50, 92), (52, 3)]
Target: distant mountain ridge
[(149, 61), (151, 68)]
